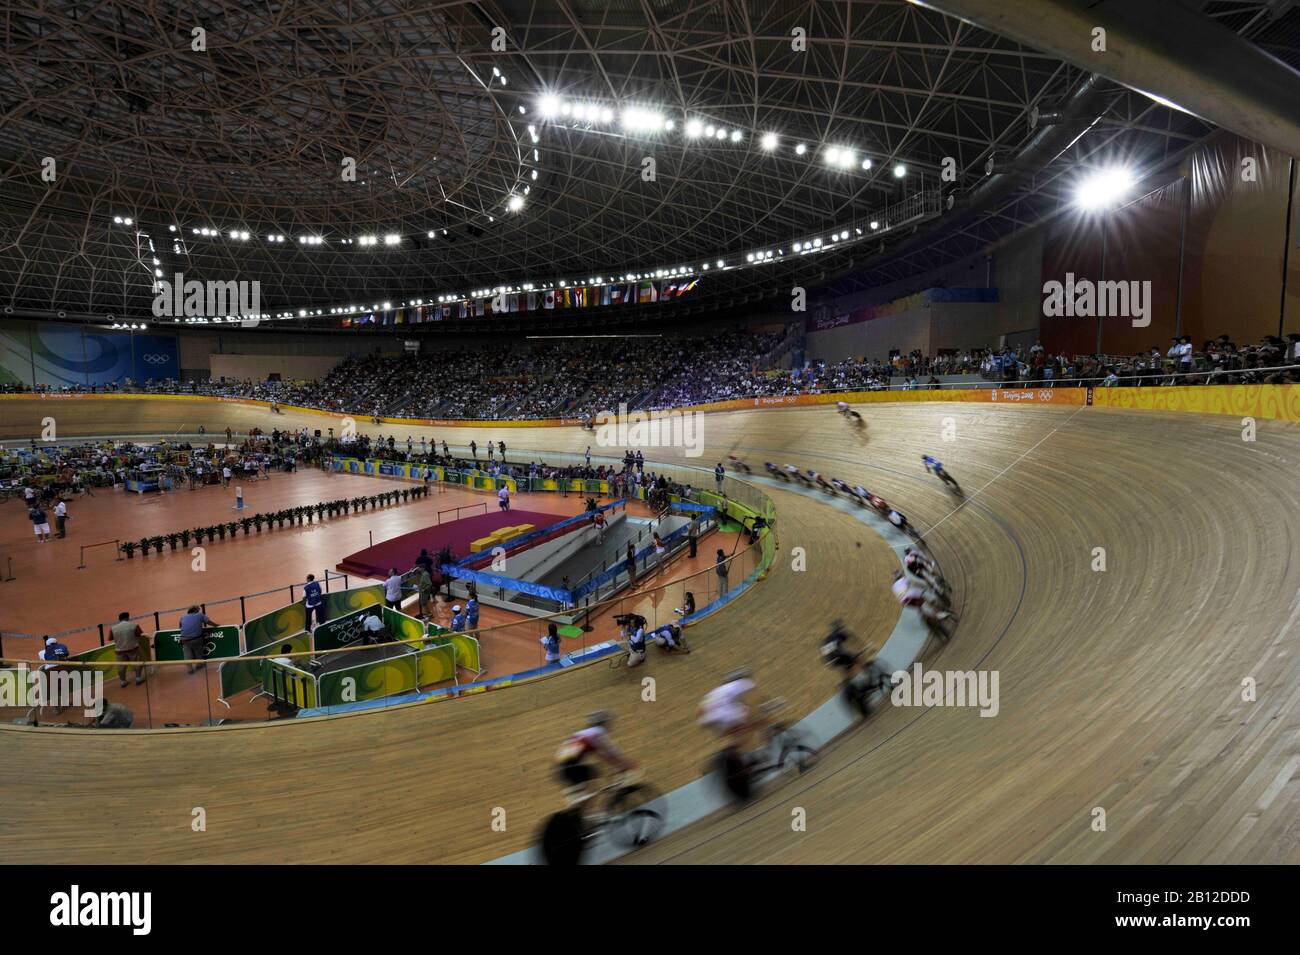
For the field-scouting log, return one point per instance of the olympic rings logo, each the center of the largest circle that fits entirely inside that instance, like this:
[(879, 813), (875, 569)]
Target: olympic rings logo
[(156, 359)]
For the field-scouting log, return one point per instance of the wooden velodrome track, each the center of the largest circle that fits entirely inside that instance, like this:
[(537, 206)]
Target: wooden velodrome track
[(1120, 690)]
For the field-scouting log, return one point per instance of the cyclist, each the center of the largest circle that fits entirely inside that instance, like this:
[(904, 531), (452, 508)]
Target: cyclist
[(774, 471), (727, 708), (815, 478), (936, 467), (832, 648), (573, 759), (737, 464)]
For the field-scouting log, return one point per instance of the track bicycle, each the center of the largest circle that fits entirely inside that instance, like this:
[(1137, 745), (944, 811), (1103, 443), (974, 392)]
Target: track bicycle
[(631, 812), (784, 748)]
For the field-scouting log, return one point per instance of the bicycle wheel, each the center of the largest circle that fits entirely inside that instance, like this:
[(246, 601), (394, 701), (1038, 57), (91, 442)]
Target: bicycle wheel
[(637, 815), (795, 751), (735, 773), (561, 840), (858, 698)]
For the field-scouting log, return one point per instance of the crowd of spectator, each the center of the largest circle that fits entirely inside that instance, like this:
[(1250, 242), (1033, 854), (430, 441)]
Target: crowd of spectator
[(580, 377)]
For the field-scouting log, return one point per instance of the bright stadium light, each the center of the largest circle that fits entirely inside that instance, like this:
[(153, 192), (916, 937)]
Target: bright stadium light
[(722, 134), (550, 106), (900, 171), (639, 120), (837, 156), (1104, 188), (515, 203), (392, 239), (735, 135), (693, 128), (866, 164), (800, 149), (769, 141)]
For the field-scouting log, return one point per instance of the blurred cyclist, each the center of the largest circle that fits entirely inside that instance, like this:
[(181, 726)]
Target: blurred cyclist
[(728, 709), (573, 759)]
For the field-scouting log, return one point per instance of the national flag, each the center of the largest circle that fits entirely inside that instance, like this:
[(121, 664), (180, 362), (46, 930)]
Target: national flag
[(532, 301), (549, 301), (480, 307), (686, 288), (605, 295), (400, 317)]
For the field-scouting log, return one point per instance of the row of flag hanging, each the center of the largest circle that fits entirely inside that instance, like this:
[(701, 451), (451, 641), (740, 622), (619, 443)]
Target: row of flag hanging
[(583, 296)]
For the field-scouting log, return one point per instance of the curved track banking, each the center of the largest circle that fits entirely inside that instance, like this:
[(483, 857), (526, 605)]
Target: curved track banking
[(1120, 689)]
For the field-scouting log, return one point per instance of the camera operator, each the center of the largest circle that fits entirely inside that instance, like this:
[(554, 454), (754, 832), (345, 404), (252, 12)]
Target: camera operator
[(633, 630)]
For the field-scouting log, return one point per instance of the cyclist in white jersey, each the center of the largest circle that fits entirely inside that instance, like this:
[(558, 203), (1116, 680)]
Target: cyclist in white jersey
[(572, 758), (727, 708)]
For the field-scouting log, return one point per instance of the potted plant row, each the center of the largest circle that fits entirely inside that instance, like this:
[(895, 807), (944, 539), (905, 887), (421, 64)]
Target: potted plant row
[(295, 516)]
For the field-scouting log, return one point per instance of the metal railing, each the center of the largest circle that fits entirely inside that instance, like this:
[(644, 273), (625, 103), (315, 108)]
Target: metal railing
[(169, 696), (98, 632)]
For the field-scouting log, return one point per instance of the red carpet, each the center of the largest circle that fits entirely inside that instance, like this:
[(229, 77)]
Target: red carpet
[(400, 552)]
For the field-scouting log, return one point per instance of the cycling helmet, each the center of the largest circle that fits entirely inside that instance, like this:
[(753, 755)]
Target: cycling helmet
[(600, 718)]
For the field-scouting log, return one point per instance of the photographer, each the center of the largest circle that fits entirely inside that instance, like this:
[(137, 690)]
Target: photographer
[(633, 630)]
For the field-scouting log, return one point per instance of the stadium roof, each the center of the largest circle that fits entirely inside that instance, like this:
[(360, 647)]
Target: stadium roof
[(237, 119)]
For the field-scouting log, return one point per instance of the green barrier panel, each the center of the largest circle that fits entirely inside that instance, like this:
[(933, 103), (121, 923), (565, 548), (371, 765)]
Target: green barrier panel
[(341, 602), (545, 484), (342, 631), (369, 681), (466, 648), (736, 511), (108, 653), (437, 664), (296, 686), (403, 628), (239, 675), (221, 642), (269, 628)]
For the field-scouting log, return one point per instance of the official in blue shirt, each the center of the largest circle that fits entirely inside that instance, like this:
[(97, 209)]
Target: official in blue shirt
[(457, 619), (471, 612), (314, 601)]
